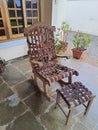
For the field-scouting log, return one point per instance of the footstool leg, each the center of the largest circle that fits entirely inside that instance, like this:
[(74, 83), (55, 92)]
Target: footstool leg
[(70, 78), (69, 116), (88, 106), (57, 99)]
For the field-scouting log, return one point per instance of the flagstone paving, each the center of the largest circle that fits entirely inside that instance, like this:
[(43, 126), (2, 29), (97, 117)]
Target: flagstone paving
[(22, 107), (5, 91)]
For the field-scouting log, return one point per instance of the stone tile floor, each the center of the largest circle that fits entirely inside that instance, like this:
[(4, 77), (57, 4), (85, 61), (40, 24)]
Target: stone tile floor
[(22, 107)]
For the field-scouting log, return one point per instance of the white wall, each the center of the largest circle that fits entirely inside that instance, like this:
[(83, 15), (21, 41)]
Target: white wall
[(58, 12), (81, 15), (13, 49)]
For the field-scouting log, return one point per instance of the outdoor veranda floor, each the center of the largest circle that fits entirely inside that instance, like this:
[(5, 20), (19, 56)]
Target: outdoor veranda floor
[(22, 107)]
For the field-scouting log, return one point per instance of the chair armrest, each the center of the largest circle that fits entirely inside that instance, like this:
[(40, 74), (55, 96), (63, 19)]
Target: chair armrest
[(62, 56), (65, 43), (33, 62)]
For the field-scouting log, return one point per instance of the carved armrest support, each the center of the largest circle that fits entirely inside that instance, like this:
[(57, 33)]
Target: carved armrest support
[(75, 72), (62, 56), (39, 64)]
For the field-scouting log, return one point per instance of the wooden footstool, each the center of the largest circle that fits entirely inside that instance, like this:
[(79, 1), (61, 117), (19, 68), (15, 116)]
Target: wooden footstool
[(74, 95)]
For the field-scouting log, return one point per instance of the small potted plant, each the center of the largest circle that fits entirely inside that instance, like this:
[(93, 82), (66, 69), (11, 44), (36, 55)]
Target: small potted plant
[(80, 41), (61, 46), (65, 27)]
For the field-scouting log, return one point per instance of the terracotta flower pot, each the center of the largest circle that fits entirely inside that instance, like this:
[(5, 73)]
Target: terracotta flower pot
[(78, 54)]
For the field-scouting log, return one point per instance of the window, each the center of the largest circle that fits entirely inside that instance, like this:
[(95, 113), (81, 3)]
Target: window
[(2, 25), (18, 14), (15, 16), (31, 11)]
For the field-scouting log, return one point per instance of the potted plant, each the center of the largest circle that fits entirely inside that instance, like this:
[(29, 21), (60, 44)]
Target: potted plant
[(60, 37), (80, 41), (65, 27), (61, 46)]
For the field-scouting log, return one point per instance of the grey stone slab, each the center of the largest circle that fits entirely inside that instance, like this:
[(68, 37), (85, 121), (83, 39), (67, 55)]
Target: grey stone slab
[(79, 126), (25, 67), (25, 122), (90, 120), (96, 127), (38, 104), (25, 88), (2, 127), (5, 91), (12, 75), (28, 74), (22, 64), (76, 111), (18, 61), (1, 80), (54, 120), (27, 59), (10, 109)]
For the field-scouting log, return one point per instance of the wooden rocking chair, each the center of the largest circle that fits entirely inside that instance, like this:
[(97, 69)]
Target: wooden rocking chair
[(43, 58)]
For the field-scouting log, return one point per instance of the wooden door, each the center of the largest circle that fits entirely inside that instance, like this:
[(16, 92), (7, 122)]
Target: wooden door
[(46, 11), (3, 35)]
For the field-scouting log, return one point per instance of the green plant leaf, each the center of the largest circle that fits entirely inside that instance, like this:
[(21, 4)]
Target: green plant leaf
[(81, 40)]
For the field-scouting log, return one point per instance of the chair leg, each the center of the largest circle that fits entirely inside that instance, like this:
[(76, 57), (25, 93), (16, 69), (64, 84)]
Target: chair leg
[(88, 106), (42, 88), (46, 91), (70, 78), (35, 79), (45, 88), (57, 99), (69, 117)]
